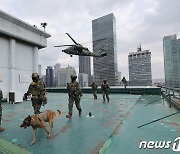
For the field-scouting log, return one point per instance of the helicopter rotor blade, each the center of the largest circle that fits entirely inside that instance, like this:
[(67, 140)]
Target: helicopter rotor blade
[(72, 39), (64, 45)]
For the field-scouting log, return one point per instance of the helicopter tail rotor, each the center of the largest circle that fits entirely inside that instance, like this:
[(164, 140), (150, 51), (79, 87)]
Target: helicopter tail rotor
[(103, 54)]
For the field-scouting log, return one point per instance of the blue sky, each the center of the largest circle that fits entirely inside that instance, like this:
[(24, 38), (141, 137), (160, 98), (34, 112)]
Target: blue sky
[(137, 21)]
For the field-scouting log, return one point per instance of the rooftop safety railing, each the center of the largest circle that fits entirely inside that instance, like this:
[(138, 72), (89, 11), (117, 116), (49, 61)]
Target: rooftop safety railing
[(172, 95)]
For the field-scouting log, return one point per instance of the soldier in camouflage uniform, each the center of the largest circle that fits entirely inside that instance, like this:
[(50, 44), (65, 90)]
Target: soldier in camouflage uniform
[(124, 81), (105, 90), (94, 90), (74, 96), (38, 91), (1, 96)]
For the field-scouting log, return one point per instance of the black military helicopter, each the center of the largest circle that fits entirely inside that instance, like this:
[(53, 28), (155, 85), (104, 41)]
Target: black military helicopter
[(78, 49)]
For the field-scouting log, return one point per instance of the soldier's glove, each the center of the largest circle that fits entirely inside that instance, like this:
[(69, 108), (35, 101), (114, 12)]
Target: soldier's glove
[(27, 93)]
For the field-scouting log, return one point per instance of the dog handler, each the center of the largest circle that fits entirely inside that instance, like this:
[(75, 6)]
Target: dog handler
[(38, 91), (74, 96)]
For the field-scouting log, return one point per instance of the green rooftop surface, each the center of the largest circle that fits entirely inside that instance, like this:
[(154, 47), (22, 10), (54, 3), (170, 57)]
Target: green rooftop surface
[(112, 130)]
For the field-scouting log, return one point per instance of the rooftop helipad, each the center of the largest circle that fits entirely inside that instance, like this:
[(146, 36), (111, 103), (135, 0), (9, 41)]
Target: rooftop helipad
[(112, 130)]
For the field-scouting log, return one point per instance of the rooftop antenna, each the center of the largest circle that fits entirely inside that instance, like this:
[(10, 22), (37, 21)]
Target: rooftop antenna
[(44, 25), (139, 48)]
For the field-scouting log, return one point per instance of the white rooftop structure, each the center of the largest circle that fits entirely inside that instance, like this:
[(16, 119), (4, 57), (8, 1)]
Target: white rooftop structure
[(19, 44)]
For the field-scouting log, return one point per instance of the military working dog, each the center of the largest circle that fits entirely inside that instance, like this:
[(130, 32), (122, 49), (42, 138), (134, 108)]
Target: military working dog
[(39, 120)]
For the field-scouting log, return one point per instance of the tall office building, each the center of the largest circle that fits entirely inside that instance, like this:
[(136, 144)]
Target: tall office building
[(49, 76), (65, 75), (85, 68), (83, 79), (171, 49), (104, 37), (140, 68), (56, 74)]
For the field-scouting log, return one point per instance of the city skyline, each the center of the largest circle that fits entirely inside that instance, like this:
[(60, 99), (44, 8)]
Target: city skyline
[(145, 22)]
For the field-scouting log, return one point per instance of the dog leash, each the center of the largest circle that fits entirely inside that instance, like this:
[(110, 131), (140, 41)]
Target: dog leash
[(39, 118)]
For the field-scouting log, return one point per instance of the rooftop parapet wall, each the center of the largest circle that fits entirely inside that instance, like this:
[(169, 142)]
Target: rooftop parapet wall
[(18, 29), (116, 90)]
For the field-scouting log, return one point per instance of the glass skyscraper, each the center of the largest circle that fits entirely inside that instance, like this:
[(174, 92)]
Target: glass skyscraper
[(49, 76), (104, 38), (85, 67), (140, 68), (171, 49)]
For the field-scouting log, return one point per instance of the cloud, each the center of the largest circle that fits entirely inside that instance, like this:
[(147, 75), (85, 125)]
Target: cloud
[(143, 21)]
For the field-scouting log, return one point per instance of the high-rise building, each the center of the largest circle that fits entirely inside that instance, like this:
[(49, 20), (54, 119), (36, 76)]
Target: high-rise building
[(65, 75), (140, 68), (104, 37), (56, 74), (83, 79), (85, 68), (49, 76), (171, 49), (118, 78)]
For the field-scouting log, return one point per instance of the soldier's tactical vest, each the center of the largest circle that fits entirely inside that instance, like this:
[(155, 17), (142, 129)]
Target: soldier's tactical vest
[(37, 89), (105, 87), (74, 88), (94, 87)]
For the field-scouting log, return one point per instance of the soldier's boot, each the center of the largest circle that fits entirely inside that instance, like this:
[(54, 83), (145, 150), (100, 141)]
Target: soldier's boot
[(95, 97), (80, 111), (108, 98), (69, 116), (104, 99), (2, 129)]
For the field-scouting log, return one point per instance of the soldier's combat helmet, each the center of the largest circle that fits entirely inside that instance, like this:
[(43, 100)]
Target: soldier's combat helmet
[(35, 75), (73, 77), (105, 80)]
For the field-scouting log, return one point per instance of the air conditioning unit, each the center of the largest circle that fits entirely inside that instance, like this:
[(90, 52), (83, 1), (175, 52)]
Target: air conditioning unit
[(15, 97), (11, 97)]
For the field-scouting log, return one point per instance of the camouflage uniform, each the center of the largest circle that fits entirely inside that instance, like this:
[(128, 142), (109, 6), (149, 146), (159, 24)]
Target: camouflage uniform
[(1, 96), (68, 89), (124, 81), (37, 89), (74, 96), (94, 90), (105, 90)]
